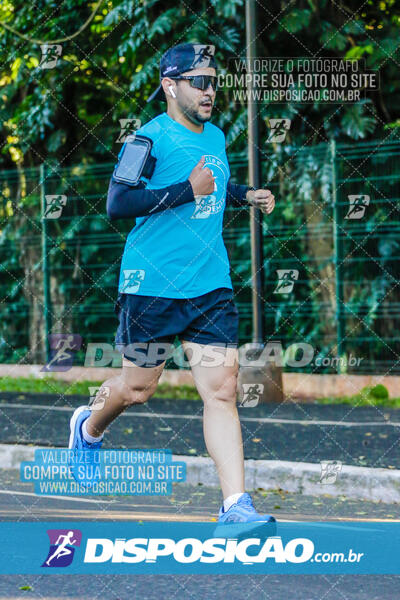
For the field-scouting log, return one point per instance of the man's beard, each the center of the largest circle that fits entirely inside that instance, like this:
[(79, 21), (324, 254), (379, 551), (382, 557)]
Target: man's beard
[(194, 116)]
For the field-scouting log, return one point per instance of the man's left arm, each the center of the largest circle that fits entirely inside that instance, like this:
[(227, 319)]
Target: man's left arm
[(242, 195)]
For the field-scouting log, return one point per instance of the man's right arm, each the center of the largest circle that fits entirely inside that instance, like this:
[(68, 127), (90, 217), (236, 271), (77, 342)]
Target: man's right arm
[(125, 201)]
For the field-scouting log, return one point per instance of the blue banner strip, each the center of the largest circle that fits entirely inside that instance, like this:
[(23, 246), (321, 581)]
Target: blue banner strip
[(173, 548)]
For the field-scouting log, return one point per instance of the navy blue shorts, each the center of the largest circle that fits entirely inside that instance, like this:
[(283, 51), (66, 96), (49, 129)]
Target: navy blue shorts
[(147, 323)]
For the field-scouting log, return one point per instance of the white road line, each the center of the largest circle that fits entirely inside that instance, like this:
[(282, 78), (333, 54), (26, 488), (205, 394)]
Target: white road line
[(153, 516), (16, 492), (73, 499), (199, 417)]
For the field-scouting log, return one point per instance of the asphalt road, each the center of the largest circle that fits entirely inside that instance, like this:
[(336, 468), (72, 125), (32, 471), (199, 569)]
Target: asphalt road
[(18, 502), (363, 436), (202, 587)]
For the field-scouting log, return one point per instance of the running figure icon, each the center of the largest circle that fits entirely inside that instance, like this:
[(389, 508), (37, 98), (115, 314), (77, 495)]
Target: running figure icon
[(63, 346), (62, 549)]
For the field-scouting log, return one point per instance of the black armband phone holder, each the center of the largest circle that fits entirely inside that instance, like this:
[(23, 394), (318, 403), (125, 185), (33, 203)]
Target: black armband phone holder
[(135, 160)]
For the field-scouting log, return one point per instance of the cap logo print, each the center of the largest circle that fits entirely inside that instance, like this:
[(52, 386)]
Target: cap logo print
[(203, 55)]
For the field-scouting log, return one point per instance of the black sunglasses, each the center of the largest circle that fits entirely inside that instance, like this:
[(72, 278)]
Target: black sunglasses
[(200, 81)]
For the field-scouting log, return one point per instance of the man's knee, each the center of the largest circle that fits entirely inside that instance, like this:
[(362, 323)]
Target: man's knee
[(225, 391), (136, 393)]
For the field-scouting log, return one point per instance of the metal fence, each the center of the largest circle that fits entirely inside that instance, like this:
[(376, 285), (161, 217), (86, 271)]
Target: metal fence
[(331, 252)]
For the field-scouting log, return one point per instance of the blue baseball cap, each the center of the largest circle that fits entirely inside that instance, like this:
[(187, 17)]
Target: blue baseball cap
[(180, 59)]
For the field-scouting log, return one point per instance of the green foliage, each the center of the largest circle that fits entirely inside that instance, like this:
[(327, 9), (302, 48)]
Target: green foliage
[(368, 396), (296, 20), (379, 392), (357, 122), (331, 38), (51, 385), (70, 115)]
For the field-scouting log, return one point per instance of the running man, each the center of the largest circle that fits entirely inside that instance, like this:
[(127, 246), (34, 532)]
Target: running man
[(174, 277), (62, 549)]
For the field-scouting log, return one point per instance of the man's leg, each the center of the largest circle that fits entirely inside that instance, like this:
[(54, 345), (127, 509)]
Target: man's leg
[(222, 431), (135, 385)]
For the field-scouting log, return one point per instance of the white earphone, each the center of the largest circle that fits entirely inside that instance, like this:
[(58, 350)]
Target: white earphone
[(171, 91)]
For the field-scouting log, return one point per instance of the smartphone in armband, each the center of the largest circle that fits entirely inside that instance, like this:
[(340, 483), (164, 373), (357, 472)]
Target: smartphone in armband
[(135, 160)]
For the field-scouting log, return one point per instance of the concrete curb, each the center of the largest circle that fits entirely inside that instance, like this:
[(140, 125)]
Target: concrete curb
[(361, 483)]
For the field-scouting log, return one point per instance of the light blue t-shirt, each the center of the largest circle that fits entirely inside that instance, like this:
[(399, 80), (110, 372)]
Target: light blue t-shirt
[(179, 252)]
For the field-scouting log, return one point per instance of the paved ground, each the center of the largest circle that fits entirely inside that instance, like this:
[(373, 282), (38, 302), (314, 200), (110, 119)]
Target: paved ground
[(189, 503), (362, 436), (205, 587), (365, 436), (19, 503)]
